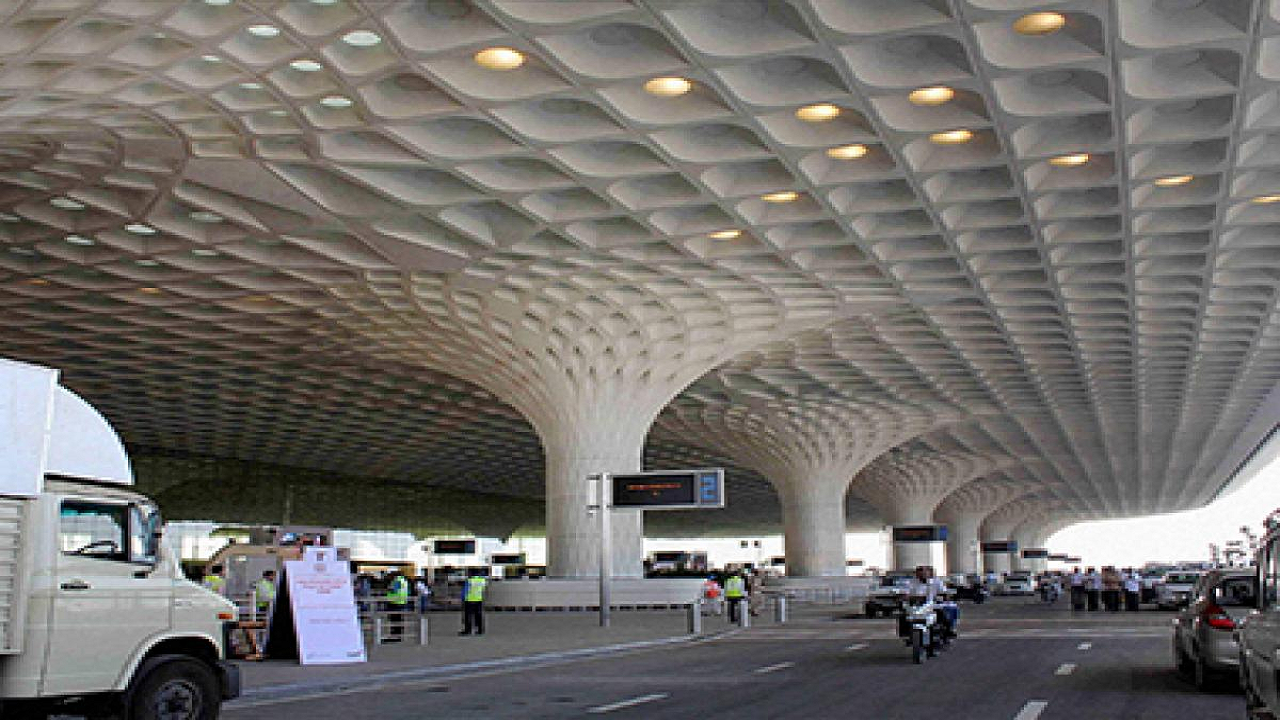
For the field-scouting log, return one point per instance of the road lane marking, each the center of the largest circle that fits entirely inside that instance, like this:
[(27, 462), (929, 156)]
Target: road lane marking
[(1065, 669), (1084, 646), (626, 703), (856, 646), (773, 668), (1031, 710)]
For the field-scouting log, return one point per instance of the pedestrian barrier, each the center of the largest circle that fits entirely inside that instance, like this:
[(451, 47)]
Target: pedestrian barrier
[(383, 626)]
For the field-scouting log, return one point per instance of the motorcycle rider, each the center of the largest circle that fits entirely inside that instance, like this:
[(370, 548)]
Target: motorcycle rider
[(926, 587)]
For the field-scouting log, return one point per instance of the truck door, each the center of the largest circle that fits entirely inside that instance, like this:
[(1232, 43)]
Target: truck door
[(107, 602), (1263, 632)]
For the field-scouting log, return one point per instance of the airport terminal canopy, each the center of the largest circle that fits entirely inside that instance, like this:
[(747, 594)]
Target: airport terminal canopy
[(425, 241)]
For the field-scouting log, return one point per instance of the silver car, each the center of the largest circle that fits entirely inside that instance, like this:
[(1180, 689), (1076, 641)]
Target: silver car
[(1204, 645), (1175, 590)]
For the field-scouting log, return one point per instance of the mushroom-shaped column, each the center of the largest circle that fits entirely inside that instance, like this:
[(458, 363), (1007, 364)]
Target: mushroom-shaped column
[(907, 483), (1000, 524), (967, 506)]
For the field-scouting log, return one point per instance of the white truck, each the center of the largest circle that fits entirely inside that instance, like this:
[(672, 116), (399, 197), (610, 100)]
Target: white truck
[(95, 616)]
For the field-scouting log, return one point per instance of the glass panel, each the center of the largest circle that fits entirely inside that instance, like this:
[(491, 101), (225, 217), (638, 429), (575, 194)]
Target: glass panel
[(1235, 592), (143, 533), (93, 530)]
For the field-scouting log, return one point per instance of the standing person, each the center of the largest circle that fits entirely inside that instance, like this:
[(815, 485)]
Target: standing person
[(264, 592), (1092, 588), (396, 602), (424, 594), (473, 603), (216, 580), (755, 592), (1077, 589), (735, 589), (1132, 590), (711, 592), (1111, 586)]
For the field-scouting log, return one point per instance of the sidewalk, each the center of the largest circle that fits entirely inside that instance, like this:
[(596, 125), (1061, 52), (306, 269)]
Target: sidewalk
[(511, 638)]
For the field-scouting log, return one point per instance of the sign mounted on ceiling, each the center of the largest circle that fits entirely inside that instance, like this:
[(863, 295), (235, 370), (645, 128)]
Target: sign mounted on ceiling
[(919, 533), (997, 547), (454, 547), (1035, 554), (669, 490)]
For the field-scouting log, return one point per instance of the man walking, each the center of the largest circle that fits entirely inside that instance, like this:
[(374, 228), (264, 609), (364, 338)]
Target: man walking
[(1093, 588), (473, 603), (735, 588), (1077, 589), (397, 601), (1132, 590)]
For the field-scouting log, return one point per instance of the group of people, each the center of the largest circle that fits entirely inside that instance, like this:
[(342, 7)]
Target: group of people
[(1093, 589), (740, 586)]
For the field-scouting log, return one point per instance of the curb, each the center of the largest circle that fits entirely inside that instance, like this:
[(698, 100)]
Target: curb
[(365, 683)]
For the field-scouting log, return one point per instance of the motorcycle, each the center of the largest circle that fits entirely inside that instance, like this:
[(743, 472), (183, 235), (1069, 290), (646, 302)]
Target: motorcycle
[(922, 631)]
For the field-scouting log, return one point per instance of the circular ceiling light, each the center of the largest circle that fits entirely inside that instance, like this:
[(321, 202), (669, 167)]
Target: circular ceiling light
[(277, 113), (724, 234), (66, 203), (1072, 160), (146, 262), (306, 65), (952, 137), (781, 196), (668, 86), (336, 101), (847, 152), (499, 58), (250, 86), (1266, 199), (1173, 180), (217, 3), (818, 113), (6, 217), (79, 240), (150, 290), (211, 58), (1039, 23), (362, 38), (204, 216), (263, 31), (204, 252), (140, 229), (935, 95)]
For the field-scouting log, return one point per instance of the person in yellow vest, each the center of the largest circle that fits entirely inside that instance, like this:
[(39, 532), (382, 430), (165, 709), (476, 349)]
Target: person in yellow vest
[(473, 603), (216, 580), (264, 591), (735, 590), (397, 600)]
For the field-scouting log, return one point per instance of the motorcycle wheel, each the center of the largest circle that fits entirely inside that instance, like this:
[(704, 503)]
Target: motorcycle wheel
[(917, 646)]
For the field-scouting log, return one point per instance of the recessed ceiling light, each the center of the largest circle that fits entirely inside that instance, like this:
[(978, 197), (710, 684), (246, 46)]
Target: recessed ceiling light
[(22, 251), (6, 217), (818, 113), (847, 152), (1039, 23), (211, 58), (668, 86), (79, 240), (1173, 180), (277, 113), (204, 216), (204, 252), (218, 3), (263, 31), (362, 38), (140, 229), (935, 95), (146, 262), (149, 290), (324, 2), (306, 65), (499, 58), (724, 234), (952, 137), (1071, 160), (250, 86), (780, 197), (1266, 199), (37, 281), (336, 101), (66, 203)]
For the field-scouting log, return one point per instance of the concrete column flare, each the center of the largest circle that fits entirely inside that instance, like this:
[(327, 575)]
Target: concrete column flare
[(814, 525)]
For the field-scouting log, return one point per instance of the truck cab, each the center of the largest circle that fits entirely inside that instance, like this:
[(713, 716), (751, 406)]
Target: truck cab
[(95, 615), (1258, 636)]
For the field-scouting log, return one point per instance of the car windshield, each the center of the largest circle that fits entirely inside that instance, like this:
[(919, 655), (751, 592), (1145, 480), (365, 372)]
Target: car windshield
[(1235, 592)]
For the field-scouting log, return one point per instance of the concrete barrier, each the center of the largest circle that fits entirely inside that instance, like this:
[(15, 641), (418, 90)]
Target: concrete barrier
[(584, 594)]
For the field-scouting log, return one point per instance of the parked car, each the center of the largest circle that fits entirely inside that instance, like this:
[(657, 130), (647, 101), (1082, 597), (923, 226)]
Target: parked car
[(1016, 583), (1174, 591), (1258, 635), (889, 596), (1204, 645), (966, 586)]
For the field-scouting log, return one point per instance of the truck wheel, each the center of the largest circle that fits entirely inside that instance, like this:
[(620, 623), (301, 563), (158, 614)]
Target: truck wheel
[(176, 688)]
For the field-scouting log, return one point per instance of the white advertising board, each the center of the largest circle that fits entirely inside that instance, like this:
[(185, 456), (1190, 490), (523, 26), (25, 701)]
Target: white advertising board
[(324, 609)]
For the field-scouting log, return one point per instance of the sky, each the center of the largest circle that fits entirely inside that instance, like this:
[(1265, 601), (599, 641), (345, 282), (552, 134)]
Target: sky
[(1179, 536)]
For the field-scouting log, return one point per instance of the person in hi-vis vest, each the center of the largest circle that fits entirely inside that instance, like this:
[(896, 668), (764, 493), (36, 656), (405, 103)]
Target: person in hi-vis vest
[(264, 591), (216, 580), (473, 603), (396, 603), (735, 590)]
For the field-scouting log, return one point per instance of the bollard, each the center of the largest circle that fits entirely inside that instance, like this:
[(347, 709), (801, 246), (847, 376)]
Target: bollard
[(377, 630), (695, 617), (422, 628), (780, 609), (744, 616)]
